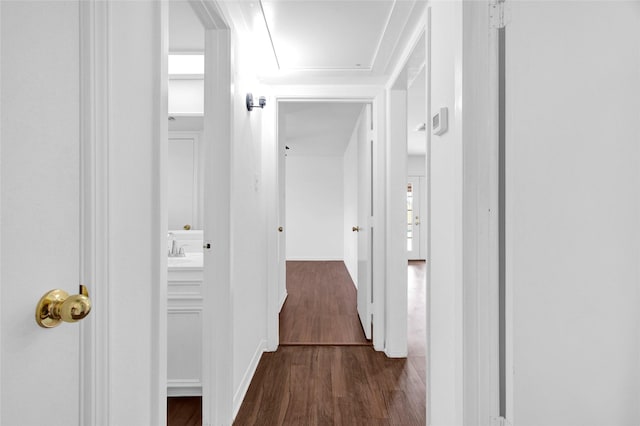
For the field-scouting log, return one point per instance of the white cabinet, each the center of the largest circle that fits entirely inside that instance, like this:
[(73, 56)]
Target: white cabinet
[(184, 327)]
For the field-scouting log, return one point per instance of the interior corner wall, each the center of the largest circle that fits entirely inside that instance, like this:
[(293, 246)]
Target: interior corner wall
[(314, 208), (573, 209), (444, 309), (248, 222), (350, 164)]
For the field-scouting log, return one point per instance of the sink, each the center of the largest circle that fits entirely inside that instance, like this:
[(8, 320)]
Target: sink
[(191, 260)]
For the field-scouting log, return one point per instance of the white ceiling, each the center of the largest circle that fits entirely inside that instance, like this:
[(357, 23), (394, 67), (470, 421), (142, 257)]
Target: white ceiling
[(306, 34), (321, 42), (328, 41), (318, 128), (186, 33)]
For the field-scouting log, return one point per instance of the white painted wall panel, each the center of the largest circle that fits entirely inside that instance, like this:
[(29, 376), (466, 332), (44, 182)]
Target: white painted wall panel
[(315, 212), (134, 131), (416, 165), (445, 256), (182, 185), (248, 257)]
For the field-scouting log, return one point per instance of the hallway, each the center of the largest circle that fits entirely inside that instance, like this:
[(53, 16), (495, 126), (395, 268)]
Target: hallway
[(321, 306), (338, 384)]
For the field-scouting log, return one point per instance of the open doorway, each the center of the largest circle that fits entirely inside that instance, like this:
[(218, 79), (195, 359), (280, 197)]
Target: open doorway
[(406, 236), (326, 170), (185, 205), (198, 205)]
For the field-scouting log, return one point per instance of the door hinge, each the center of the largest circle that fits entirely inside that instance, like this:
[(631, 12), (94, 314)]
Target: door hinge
[(497, 17)]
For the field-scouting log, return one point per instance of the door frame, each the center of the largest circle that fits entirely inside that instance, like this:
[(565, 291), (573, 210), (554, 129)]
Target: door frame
[(217, 142), (97, 161), (274, 185), (215, 154), (472, 376)]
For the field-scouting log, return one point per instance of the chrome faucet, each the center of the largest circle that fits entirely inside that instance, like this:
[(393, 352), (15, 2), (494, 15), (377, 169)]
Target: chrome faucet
[(173, 250)]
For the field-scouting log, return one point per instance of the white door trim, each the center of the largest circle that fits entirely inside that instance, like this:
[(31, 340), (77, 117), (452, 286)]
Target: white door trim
[(396, 225), (217, 142), (94, 201), (95, 112), (363, 94)]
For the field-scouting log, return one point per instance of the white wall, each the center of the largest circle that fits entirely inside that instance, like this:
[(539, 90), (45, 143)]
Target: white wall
[(183, 192), (416, 165), (350, 167), (573, 203), (444, 310), (248, 257), (314, 208)]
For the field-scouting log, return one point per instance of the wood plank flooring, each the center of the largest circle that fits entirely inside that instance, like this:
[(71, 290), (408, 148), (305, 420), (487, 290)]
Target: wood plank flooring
[(335, 385), (184, 411), (342, 385), (321, 306)]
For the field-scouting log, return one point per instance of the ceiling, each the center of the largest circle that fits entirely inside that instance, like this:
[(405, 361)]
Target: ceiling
[(318, 128), (355, 42), (328, 41)]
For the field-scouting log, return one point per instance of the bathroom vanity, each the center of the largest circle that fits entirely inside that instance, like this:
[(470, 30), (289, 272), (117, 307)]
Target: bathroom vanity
[(184, 317)]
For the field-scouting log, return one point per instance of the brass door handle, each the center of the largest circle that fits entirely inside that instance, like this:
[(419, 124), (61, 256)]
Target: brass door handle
[(280, 229), (57, 306), (355, 229)]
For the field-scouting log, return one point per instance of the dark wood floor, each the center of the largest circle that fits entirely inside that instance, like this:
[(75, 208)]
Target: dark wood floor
[(340, 385), (184, 411), (334, 385), (321, 306)]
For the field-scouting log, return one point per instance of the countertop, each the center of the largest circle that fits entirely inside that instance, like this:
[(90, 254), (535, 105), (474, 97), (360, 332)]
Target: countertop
[(191, 262)]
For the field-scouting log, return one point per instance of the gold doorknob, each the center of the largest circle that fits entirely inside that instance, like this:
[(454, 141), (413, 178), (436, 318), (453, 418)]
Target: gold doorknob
[(187, 227), (280, 229), (57, 306), (355, 229)]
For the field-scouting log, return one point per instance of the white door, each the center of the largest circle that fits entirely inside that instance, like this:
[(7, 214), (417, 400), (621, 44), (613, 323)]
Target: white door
[(365, 212), (282, 220), (572, 235), (413, 218), (40, 209)]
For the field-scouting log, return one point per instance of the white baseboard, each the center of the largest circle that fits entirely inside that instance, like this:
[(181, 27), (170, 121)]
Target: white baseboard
[(184, 388), (392, 354), (284, 299), (315, 259), (241, 392)]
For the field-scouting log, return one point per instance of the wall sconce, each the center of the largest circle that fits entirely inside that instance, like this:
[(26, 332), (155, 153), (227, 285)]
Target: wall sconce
[(262, 101)]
